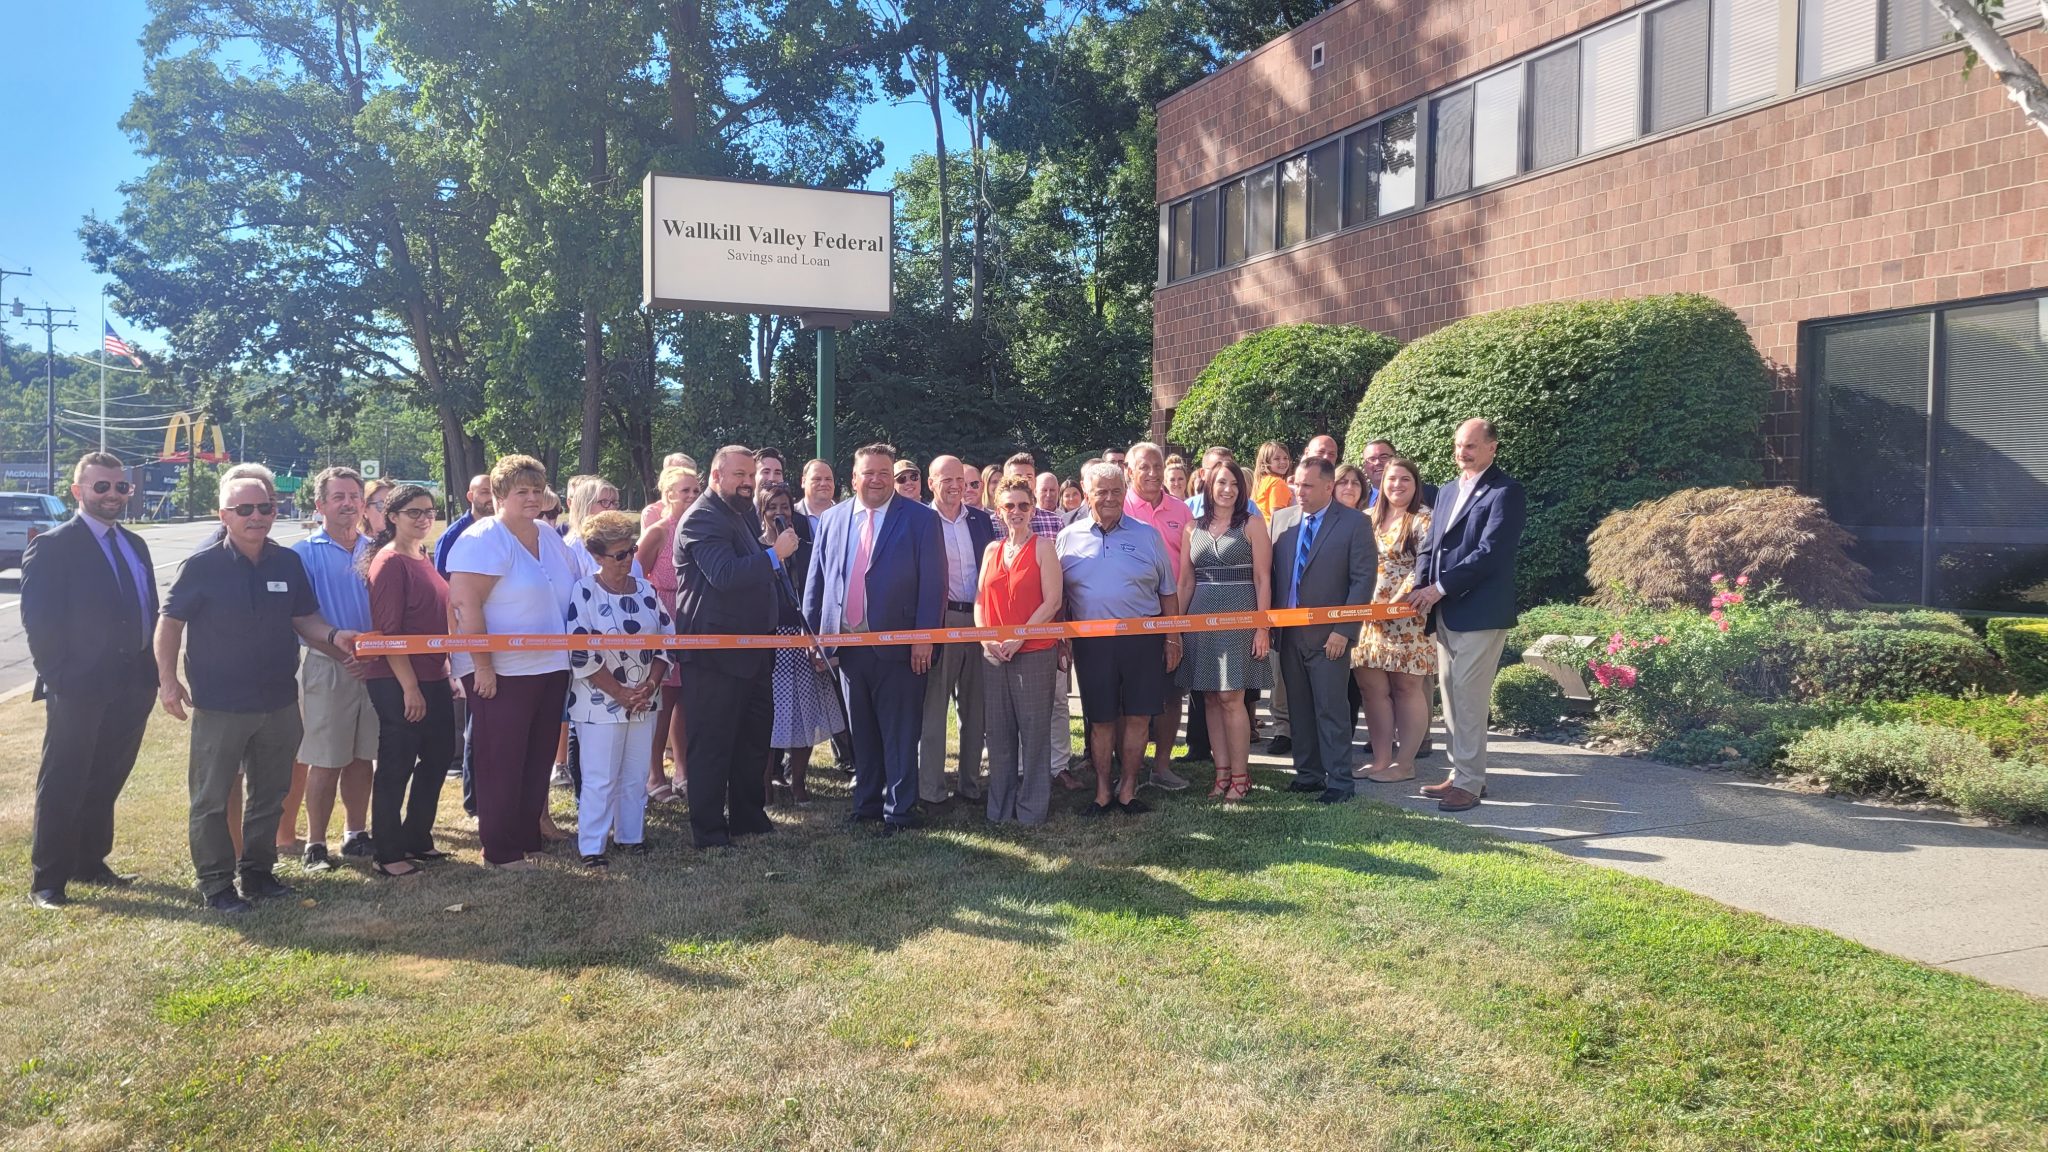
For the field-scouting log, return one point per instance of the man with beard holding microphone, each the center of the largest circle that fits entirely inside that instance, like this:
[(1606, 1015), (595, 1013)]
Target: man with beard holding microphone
[(727, 569)]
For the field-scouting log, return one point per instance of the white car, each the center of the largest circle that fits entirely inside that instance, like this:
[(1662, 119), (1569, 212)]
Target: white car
[(23, 517)]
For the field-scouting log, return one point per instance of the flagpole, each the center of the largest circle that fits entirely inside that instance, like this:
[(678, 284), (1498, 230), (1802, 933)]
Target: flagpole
[(103, 367)]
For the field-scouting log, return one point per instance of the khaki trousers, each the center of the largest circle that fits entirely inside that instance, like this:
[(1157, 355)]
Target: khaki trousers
[(1466, 663)]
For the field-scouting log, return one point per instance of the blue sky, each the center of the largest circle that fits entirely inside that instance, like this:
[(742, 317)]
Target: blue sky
[(67, 73)]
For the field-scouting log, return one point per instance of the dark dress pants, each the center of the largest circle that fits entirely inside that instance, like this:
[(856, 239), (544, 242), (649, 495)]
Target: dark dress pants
[(885, 707), (728, 720), (512, 739), (89, 745), (1198, 727), (1319, 711), (412, 763)]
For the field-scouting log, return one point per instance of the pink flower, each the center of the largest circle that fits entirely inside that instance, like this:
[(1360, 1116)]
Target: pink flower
[(1742, 581), (1661, 640), (1723, 625), (1717, 577), (1719, 616), (1625, 676)]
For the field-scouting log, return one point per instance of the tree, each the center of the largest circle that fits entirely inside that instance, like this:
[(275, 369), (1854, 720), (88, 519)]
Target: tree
[(1972, 20)]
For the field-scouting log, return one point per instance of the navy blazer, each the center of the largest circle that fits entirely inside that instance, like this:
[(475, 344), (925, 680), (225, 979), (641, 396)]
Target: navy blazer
[(725, 584), (67, 586), (906, 582), (981, 532), (1473, 557)]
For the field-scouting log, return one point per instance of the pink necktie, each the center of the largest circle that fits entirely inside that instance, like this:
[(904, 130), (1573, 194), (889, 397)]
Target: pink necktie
[(857, 584)]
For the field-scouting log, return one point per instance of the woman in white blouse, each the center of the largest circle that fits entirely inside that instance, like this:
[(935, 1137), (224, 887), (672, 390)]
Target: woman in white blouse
[(615, 696), (509, 574)]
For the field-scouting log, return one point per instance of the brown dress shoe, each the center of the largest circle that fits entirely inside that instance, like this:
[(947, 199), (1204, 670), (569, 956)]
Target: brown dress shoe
[(1456, 800)]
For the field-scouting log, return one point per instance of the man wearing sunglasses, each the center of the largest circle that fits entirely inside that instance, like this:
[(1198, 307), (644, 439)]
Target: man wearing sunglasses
[(246, 603), (88, 604)]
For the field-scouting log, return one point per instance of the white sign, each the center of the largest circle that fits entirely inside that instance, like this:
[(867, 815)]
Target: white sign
[(372, 469), (734, 246)]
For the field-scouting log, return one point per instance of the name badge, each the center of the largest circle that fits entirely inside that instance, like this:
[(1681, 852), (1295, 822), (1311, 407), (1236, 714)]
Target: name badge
[(279, 586)]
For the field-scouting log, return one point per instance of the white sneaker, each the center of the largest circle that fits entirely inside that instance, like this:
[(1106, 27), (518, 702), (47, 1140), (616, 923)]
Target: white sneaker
[(561, 777)]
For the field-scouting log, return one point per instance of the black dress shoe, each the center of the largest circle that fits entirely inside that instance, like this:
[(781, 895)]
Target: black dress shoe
[(710, 842), (1133, 807), (1333, 796), (1094, 809), (1303, 786), (863, 817), (911, 819), (1279, 746), (228, 903), (49, 898), (108, 878), (264, 886)]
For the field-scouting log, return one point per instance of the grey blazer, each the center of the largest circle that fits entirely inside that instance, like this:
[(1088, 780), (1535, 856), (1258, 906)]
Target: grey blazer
[(1343, 566)]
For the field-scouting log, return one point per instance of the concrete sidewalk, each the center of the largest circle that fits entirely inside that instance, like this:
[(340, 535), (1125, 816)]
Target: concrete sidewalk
[(1922, 885)]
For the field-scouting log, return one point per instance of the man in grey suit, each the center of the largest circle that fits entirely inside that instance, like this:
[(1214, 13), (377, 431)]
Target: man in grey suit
[(1323, 556)]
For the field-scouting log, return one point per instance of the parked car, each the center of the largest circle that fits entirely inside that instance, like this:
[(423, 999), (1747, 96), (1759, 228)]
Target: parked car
[(23, 517)]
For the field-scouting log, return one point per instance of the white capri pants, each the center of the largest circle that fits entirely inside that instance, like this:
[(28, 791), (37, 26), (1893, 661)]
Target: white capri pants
[(614, 798)]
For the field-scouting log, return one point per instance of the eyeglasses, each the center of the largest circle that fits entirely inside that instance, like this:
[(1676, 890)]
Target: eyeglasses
[(605, 502), (100, 487), (377, 504), (625, 553), (263, 509), (426, 513), (1016, 506), (902, 476)]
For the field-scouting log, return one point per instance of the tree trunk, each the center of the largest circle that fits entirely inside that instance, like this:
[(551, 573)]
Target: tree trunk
[(2023, 84), (933, 96), (975, 265), (587, 450), (685, 30)]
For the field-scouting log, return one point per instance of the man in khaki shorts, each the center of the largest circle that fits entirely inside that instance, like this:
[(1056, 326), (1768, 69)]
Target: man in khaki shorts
[(341, 726)]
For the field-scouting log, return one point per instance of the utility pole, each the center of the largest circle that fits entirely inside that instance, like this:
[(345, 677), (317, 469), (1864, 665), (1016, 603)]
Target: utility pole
[(4, 274), (49, 324)]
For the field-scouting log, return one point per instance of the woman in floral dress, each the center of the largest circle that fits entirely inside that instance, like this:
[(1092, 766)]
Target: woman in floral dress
[(1394, 658)]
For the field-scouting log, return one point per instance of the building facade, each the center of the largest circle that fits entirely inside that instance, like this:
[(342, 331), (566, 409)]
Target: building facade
[(1878, 219)]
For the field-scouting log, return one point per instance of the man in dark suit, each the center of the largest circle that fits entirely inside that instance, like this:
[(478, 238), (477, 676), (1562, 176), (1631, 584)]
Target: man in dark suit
[(1465, 580), (879, 565), (965, 532), (1323, 557), (1379, 454), (89, 606), (728, 577)]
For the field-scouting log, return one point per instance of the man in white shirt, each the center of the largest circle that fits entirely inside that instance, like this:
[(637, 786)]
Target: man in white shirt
[(966, 532)]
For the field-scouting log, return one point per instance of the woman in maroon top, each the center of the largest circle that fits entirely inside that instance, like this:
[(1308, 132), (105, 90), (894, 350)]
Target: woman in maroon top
[(413, 696)]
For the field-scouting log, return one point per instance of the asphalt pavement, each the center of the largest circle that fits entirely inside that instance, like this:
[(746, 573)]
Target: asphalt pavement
[(169, 544)]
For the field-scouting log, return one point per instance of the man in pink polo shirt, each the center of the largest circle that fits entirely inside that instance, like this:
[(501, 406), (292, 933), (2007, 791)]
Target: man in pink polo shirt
[(1147, 500)]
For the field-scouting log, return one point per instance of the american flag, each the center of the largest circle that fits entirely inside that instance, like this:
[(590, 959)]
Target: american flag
[(117, 346)]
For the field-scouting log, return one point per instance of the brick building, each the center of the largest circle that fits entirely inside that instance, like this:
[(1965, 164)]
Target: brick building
[(1878, 220)]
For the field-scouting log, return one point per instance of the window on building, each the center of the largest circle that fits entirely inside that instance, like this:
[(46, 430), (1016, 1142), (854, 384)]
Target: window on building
[(1912, 26), (1233, 222), (1610, 76), (1745, 34), (1497, 126), (1397, 173), (1450, 144), (1181, 231), (1325, 189), (1960, 526), (1293, 200), (1259, 208), (1554, 107), (1361, 175), (1205, 231), (1677, 36), (1836, 36)]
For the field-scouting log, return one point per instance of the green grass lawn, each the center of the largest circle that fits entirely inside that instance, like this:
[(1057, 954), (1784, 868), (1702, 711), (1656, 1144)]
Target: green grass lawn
[(1283, 975)]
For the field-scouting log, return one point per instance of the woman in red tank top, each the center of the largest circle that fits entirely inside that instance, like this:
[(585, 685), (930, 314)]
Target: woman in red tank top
[(1020, 584)]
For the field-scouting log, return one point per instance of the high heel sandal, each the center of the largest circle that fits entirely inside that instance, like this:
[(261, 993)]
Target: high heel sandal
[(1222, 783), (1240, 784)]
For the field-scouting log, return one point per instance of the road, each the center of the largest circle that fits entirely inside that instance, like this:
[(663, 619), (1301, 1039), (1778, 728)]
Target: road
[(169, 544)]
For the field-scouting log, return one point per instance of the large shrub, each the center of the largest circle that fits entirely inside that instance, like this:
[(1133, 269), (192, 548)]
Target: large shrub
[(2023, 644), (2015, 727), (1663, 553), (1905, 759), (1865, 664), (1287, 383), (1600, 405), (1557, 620), (1526, 699)]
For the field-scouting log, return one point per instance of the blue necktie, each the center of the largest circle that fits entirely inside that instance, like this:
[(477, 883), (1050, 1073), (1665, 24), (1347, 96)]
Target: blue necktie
[(1307, 541)]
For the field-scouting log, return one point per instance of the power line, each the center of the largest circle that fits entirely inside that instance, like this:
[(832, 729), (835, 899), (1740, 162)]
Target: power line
[(49, 325)]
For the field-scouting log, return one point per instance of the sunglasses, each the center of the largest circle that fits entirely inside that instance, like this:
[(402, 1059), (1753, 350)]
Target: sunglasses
[(101, 487), (263, 509), (902, 476), (1015, 506), (426, 513), (605, 502), (625, 553)]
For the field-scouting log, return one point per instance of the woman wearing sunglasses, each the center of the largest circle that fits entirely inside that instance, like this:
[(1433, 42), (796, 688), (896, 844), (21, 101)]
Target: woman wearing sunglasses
[(615, 696), (412, 695), (1021, 583)]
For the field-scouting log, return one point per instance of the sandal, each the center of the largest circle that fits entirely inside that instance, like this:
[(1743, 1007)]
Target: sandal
[(660, 795), (429, 854), (395, 868), (1240, 784), (1222, 784)]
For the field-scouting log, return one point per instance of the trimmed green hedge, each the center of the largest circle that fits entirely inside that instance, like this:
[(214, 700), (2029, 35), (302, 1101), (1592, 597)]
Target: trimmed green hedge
[(1526, 699), (1286, 383), (2022, 642), (1866, 664), (1905, 759), (2014, 727), (1600, 405)]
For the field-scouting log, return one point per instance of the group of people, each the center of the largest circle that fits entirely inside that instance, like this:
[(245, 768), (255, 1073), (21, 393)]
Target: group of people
[(734, 549)]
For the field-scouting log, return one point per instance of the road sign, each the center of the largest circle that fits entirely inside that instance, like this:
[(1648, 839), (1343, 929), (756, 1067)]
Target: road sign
[(372, 469)]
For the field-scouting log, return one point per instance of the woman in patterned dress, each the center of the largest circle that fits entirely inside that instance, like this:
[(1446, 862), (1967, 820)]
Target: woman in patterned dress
[(807, 710), (1394, 658), (679, 486), (1228, 562), (614, 694)]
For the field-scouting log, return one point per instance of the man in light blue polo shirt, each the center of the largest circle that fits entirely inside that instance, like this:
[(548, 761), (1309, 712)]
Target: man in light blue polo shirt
[(1116, 567), (341, 726)]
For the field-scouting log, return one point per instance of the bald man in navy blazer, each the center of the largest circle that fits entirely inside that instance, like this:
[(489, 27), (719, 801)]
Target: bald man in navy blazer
[(879, 565)]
